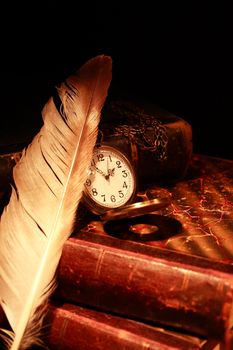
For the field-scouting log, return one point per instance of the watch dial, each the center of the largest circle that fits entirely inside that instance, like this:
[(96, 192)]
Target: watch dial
[(111, 180)]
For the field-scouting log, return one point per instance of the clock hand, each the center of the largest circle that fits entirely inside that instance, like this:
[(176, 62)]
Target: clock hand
[(107, 176), (99, 171)]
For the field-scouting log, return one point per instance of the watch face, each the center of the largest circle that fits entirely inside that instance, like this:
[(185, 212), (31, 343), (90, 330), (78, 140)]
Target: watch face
[(111, 180)]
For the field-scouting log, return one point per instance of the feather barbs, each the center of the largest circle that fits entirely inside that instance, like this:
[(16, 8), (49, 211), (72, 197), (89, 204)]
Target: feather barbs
[(49, 180)]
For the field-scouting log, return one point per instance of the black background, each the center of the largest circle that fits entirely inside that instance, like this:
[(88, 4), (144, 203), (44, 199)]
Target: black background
[(174, 54)]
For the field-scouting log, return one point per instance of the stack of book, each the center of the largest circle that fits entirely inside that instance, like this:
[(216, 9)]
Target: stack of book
[(116, 291), (175, 292)]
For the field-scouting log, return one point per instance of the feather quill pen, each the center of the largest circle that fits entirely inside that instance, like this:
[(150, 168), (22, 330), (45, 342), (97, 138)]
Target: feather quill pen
[(49, 181)]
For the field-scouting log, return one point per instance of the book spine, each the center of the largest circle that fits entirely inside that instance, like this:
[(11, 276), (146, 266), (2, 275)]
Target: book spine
[(165, 289), (75, 327), (68, 327)]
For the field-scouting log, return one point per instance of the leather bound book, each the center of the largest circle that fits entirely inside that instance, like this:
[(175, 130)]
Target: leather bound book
[(71, 327), (75, 327), (157, 142), (167, 287)]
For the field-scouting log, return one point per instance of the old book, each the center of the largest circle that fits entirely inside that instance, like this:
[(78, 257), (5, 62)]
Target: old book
[(158, 143), (167, 287), (75, 327), (70, 327)]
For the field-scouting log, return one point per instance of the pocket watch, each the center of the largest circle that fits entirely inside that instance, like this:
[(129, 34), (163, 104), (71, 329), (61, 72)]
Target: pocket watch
[(111, 181)]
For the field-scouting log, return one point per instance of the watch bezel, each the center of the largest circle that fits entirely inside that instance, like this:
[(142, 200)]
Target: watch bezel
[(99, 209)]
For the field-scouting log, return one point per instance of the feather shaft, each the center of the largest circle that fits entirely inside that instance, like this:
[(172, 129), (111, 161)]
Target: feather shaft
[(49, 180)]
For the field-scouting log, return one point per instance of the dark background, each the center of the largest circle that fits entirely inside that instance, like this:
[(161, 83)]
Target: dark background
[(174, 54)]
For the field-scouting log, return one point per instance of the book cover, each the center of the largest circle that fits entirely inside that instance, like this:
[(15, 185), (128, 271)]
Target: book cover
[(203, 204)]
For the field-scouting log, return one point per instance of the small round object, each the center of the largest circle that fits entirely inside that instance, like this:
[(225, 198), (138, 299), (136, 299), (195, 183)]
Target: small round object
[(111, 181), (148, 227)]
